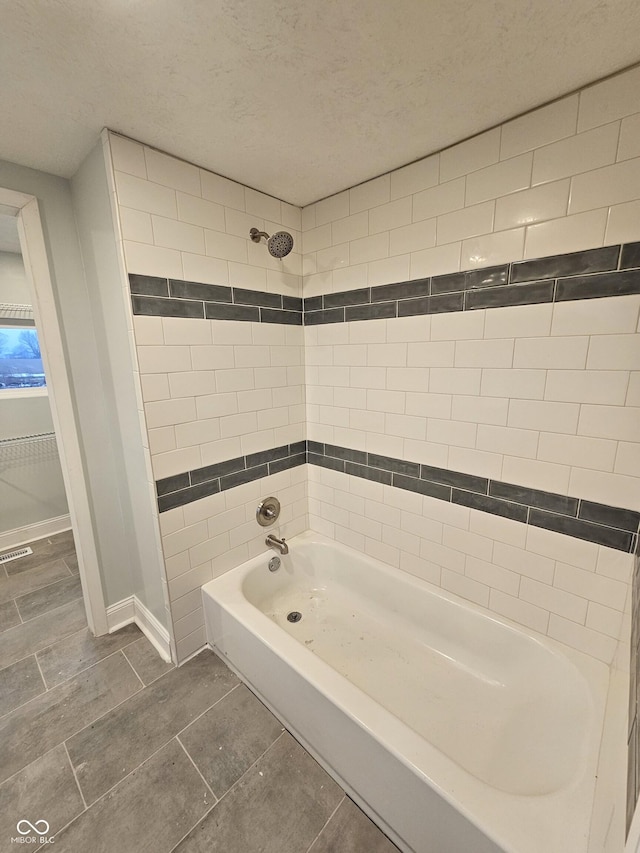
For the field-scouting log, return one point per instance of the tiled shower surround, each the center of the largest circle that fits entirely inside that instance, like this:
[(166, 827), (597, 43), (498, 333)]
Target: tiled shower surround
[(543, 396)]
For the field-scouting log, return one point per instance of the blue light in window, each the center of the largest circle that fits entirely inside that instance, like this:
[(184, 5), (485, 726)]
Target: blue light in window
[(20, 359)]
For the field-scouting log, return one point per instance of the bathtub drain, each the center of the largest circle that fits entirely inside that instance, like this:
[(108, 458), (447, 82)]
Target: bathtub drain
[(294, 616)]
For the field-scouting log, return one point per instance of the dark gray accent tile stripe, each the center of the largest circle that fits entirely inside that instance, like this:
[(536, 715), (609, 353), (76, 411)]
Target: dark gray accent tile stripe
[(454, 478), (186, 496), (267, 455), (257, 297), (325, 461), (493, 505), (182, 489), (487, 277), (221, 311), (595, 286), (401, 290), (600, 523), (211, 472), (172, 484), (448, 283), (201, 292), (346, 297), (592, 274), (532, 293), (423, 487), (414, 307), (312, 303), (623, 519), (148, 285), (242, 477), (630, 256), (597, 533), (375, 311), (358, 456), (397, 466), (615, 527), (162, 297), (150, 306), (292, 303), (573, 263), (577, 275), (445, 303), (333, 315), (274, 315), (284, 464), (367, 473), (534, 497)]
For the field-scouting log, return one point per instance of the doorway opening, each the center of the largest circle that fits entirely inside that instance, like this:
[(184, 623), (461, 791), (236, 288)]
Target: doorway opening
[(41, 465)]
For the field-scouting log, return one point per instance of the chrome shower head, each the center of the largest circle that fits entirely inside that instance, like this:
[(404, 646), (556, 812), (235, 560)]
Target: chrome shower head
[(279, 244)]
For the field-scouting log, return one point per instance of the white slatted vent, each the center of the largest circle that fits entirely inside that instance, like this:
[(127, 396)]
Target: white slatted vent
[(14, 555)]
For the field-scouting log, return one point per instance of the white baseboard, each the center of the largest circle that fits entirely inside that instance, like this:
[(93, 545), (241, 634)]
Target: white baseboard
[(31, 532), (121, 613), (130, 610)]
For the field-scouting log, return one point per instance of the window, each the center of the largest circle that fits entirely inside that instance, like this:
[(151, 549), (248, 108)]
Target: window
[(20, 358)]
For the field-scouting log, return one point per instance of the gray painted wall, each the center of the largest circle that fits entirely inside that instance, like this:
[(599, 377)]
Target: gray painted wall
[(13, 283), (83, 361), (139, 542)]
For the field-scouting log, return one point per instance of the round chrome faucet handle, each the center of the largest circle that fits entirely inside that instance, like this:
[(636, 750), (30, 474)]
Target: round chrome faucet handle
[(268, 511)]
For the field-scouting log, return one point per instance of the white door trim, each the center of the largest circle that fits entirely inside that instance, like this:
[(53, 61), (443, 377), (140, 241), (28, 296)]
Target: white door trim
[(36, 264)]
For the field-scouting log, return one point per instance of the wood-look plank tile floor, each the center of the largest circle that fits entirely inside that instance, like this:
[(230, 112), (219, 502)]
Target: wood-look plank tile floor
[(120, 752)]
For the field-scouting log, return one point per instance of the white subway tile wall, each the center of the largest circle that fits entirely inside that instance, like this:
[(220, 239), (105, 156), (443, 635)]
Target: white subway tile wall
[(547, 396), (211, 390), (544, 396), (554, 584), (562, 178)]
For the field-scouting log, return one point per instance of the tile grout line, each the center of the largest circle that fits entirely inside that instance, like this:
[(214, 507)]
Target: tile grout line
[(37, 652), (39, 589), (206, 710), (113, 787), (40, 565), (134, 670), (327, 822), (17, 610), (251, 766), (44, 680), (24, 704), (153, 680), (133, 769), (197, 823), (138, 692), (61, 640), (53, 609), (59, 684), (137, 767), (75, 776), (208, 786), (259, 758)]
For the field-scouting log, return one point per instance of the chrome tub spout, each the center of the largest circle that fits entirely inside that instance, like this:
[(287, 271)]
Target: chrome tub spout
[(273, 542)]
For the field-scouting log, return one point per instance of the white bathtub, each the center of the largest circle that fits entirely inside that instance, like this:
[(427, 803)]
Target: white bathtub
[(454, 730)]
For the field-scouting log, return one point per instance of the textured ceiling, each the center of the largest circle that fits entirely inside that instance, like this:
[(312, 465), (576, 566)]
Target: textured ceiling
[(297, 98)]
